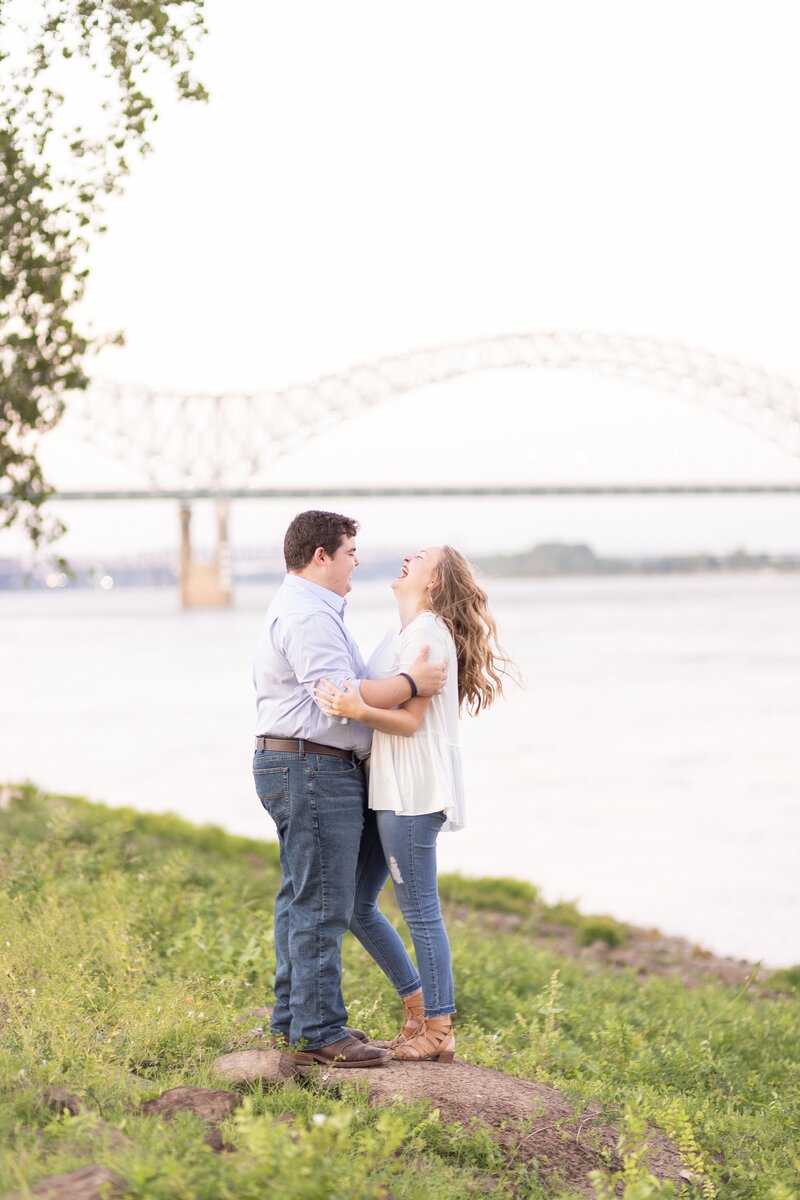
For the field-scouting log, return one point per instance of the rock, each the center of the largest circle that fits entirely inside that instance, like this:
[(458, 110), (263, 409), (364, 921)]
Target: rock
[(88, 1183), (248, 1066), (214, 1140), (212, 1106), (60, 1101), (530, 1121)]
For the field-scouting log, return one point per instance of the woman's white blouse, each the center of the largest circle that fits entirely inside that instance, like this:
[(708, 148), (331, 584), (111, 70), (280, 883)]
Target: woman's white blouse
[(421, 773)]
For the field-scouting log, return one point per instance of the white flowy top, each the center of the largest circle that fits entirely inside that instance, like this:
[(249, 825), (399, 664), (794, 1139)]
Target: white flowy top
[(421, 773)]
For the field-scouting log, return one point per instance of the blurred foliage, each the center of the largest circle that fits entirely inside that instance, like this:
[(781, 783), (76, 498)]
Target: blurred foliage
[(600, 929), (498, 895), (786, 980), (75, 106)]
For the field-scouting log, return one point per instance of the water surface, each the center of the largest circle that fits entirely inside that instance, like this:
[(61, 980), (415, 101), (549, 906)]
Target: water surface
[(650, 768)]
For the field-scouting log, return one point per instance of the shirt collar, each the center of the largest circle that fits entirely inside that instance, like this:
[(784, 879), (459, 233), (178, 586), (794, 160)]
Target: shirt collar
[(332, 599)]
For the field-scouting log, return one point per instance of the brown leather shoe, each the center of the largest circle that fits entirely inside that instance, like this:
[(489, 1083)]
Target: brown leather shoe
[(279, 1041), (347, 1052)]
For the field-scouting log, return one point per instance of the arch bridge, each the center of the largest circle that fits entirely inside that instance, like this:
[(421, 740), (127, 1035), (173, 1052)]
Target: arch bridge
[(215, 444)]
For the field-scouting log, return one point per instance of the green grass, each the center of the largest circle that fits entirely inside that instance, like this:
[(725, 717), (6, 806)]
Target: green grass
[(498, 895), (129, 944)]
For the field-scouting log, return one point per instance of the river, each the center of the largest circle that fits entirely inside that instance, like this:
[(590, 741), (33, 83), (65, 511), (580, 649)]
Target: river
[(649, 768)]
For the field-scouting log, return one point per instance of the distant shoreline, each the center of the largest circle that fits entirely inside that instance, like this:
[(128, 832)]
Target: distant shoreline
[(546, 560), (557, 558)]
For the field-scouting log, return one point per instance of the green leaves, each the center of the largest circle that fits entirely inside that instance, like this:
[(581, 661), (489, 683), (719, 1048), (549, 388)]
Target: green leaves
[(54, 178)]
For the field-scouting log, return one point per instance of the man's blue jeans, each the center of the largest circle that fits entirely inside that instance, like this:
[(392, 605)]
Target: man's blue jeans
[(317, 802), (405, 848)]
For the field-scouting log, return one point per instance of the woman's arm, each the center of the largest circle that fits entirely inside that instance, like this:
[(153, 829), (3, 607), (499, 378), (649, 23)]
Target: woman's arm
[(404, 721), (429, 680)]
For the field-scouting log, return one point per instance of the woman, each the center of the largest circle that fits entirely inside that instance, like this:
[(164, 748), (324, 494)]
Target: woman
[(415, 784)]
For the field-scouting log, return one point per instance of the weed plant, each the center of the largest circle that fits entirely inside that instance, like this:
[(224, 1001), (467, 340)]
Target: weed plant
[(131, 943)]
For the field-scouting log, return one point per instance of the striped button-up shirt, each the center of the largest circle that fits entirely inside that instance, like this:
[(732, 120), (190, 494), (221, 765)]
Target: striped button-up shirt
[(303, 640)]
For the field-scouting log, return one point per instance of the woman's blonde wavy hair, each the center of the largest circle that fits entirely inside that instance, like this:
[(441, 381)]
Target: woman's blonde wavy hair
[(463, 605)]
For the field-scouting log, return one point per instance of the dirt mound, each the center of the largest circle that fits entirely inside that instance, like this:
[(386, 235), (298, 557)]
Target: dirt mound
[(530, 1121)]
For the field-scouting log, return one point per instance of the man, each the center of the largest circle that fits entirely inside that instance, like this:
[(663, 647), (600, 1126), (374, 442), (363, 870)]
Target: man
[(309, 777)]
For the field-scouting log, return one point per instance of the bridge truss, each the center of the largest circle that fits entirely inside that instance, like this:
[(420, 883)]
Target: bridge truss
[(216, 443)]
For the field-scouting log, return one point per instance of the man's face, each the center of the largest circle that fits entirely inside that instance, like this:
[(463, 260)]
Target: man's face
[(339, 569)]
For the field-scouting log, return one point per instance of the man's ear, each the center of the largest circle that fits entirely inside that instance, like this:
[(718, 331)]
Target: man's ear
[(319, 556)]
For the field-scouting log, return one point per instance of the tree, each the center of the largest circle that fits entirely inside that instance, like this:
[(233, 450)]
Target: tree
[(55, 178)]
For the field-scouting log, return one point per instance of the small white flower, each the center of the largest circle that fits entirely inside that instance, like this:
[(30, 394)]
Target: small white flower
[(45, 1061), (8, 943), (319, 1119), (33, 991), (158, 1008), (22, 1072), (201, 1016), (80, 966), (191, 1012)]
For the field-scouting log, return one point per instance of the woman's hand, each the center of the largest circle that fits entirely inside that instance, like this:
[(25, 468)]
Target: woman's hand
[(336, 702)]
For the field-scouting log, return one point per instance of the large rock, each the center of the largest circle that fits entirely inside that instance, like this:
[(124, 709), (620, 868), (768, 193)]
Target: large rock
[(250, 1066), (532, 1122), (88, 1183), (212, 1106)]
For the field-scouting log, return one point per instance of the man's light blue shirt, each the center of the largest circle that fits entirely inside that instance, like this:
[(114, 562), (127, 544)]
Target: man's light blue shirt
[(303, 640)]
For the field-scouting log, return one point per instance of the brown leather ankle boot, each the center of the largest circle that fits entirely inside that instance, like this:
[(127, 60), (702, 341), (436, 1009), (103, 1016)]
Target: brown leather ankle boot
[(413, 1013), (433, 1043)]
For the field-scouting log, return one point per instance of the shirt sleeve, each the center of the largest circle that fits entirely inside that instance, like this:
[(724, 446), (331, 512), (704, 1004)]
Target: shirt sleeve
[(382, 662), (316, 649), (412, 642)]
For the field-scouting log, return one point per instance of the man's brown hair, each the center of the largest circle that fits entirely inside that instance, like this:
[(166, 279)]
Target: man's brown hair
[(315, 528)]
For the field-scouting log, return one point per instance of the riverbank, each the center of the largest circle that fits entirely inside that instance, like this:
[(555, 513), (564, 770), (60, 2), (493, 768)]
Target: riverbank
[(133, 944)]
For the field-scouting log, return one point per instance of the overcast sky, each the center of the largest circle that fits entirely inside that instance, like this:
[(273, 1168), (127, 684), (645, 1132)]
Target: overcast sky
[(373, 178)]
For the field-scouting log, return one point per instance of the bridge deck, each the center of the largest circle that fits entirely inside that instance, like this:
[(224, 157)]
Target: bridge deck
[(511, 490)]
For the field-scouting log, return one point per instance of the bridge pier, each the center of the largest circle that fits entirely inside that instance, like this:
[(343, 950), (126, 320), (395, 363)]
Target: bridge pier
[(205, 585)]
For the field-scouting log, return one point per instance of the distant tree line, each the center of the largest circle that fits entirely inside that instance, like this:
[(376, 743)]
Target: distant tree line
[(557, 558)]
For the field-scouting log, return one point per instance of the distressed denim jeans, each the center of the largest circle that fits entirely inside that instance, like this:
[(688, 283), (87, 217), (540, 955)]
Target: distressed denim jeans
[(405, 848), (317, 802)]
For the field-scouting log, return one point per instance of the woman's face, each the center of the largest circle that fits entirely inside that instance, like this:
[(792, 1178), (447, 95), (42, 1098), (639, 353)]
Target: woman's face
[(418, 571)]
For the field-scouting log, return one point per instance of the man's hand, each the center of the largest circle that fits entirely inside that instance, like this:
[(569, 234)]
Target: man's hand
[(429, 677)]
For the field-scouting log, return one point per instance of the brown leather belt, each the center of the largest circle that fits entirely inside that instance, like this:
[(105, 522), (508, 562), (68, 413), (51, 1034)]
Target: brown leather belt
[(301, 746)]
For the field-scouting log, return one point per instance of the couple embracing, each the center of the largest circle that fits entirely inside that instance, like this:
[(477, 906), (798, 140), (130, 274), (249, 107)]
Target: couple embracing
[(326, 721)]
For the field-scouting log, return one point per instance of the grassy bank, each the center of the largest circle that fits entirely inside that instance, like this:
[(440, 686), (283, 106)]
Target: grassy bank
[(131, 943)]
